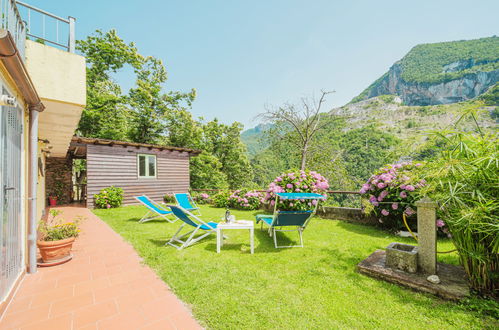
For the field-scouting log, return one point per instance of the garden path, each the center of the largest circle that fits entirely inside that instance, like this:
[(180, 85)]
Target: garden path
[(105, 286)]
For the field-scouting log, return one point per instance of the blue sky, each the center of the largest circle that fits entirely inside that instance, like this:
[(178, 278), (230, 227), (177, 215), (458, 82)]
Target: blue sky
[(241, 55)]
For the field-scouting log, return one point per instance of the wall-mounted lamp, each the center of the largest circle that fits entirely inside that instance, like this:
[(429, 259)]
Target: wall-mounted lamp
[(9, 101)]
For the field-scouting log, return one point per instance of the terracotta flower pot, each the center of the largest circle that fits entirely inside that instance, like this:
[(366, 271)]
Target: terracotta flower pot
[(53, 201), (55, 250)]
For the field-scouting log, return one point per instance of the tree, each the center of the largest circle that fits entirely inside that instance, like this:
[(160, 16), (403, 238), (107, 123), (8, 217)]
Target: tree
[(106, 114), (206, 172), (147, 114), (183, 130), (141, 115), (366, 149), (305, 120), (151, 108), (224, 142)]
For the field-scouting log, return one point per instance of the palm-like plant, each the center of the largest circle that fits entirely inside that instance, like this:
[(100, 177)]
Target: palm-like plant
[(464, 179)]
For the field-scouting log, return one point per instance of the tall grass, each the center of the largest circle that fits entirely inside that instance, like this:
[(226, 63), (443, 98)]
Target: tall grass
[(464, 179)]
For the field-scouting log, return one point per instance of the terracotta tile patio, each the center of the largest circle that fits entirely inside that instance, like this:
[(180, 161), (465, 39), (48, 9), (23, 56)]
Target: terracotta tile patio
[(105, 286)]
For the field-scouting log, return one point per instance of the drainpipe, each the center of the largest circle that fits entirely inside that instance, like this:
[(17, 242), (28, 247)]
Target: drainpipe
[(33, 178), (11, 59)]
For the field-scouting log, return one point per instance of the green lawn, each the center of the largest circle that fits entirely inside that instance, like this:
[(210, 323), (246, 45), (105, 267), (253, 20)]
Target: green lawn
[(312, 287)]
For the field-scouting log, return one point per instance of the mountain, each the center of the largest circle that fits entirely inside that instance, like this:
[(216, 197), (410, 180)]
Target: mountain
[(252, 138), (389, 113), (440, 73)]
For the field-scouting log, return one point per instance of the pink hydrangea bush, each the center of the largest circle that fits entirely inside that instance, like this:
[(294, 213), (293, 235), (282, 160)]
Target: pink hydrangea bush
[(245, 200), (202, 198), (392, 192), (442, 229), (297, 181)]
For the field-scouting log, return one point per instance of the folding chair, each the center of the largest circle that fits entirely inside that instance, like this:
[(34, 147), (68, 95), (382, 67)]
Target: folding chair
[(187, 203), (189, 219), (156, 211), (286, 219)]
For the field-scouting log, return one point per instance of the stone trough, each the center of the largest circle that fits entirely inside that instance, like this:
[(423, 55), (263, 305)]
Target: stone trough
[(402, 256), (453, 284)]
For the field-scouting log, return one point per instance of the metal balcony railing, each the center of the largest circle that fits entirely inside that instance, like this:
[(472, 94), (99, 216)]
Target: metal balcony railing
[(48, 28), (11, 21)]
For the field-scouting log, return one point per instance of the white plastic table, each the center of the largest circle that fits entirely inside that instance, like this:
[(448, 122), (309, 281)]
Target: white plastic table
[(239, 224)]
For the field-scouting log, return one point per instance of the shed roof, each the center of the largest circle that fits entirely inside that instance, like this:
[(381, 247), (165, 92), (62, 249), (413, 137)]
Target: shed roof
[(85, 140)]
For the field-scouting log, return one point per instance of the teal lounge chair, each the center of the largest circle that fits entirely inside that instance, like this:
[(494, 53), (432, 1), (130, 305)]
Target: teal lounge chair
[(289, 220), (156, 211), (186, 202), (191, 220)]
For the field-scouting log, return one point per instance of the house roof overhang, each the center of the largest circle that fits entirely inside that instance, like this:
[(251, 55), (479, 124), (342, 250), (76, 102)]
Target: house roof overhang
[(9, 55), (83, 141)]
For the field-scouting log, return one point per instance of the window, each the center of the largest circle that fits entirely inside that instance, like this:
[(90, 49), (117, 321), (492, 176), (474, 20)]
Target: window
[(146, 166)]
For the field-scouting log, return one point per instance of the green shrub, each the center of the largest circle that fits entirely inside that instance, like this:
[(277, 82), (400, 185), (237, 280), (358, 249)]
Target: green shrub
[(109, 197), (169, 198), (463, 180), (387, 98), (491, 97), (411, 124), (221, 199)]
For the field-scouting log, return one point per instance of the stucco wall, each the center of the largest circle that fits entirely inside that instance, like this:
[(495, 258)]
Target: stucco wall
[(57, 75), (60, 80)]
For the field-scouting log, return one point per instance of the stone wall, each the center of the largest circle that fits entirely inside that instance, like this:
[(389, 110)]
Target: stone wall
[(346, 214), (58, 179), (349, 214)]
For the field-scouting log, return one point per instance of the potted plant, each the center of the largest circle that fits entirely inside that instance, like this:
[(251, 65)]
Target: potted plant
[(57, 193), (56, 240), (52, 200)]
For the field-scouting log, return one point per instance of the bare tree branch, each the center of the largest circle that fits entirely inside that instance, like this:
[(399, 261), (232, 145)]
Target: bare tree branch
[(306, 121)]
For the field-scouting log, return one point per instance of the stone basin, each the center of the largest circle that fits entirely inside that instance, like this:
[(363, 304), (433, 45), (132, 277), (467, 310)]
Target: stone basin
[(402, 257)]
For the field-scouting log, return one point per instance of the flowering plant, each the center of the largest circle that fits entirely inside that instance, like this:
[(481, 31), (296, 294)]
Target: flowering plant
[(245, 200), (60, 231), (297, 181), (169, 198), (392, 192), (442, 228), (202, 198), (109, 197)]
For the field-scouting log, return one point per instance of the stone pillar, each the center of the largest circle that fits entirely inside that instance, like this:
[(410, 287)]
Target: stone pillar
[(427, 236)]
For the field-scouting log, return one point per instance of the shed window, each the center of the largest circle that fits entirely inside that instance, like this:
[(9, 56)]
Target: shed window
[(146, 166)]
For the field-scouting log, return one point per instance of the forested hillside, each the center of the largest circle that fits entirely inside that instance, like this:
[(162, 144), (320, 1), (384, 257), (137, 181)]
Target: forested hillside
[(360, 137)]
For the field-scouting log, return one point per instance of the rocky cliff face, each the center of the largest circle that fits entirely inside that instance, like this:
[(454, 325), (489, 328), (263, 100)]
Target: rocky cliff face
[(467, 87)]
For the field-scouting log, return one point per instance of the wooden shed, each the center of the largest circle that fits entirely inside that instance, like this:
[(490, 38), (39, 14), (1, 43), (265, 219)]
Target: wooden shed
[(138, 168)]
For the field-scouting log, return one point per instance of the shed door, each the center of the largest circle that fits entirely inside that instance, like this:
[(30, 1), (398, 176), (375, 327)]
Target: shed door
[(11, 242)]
